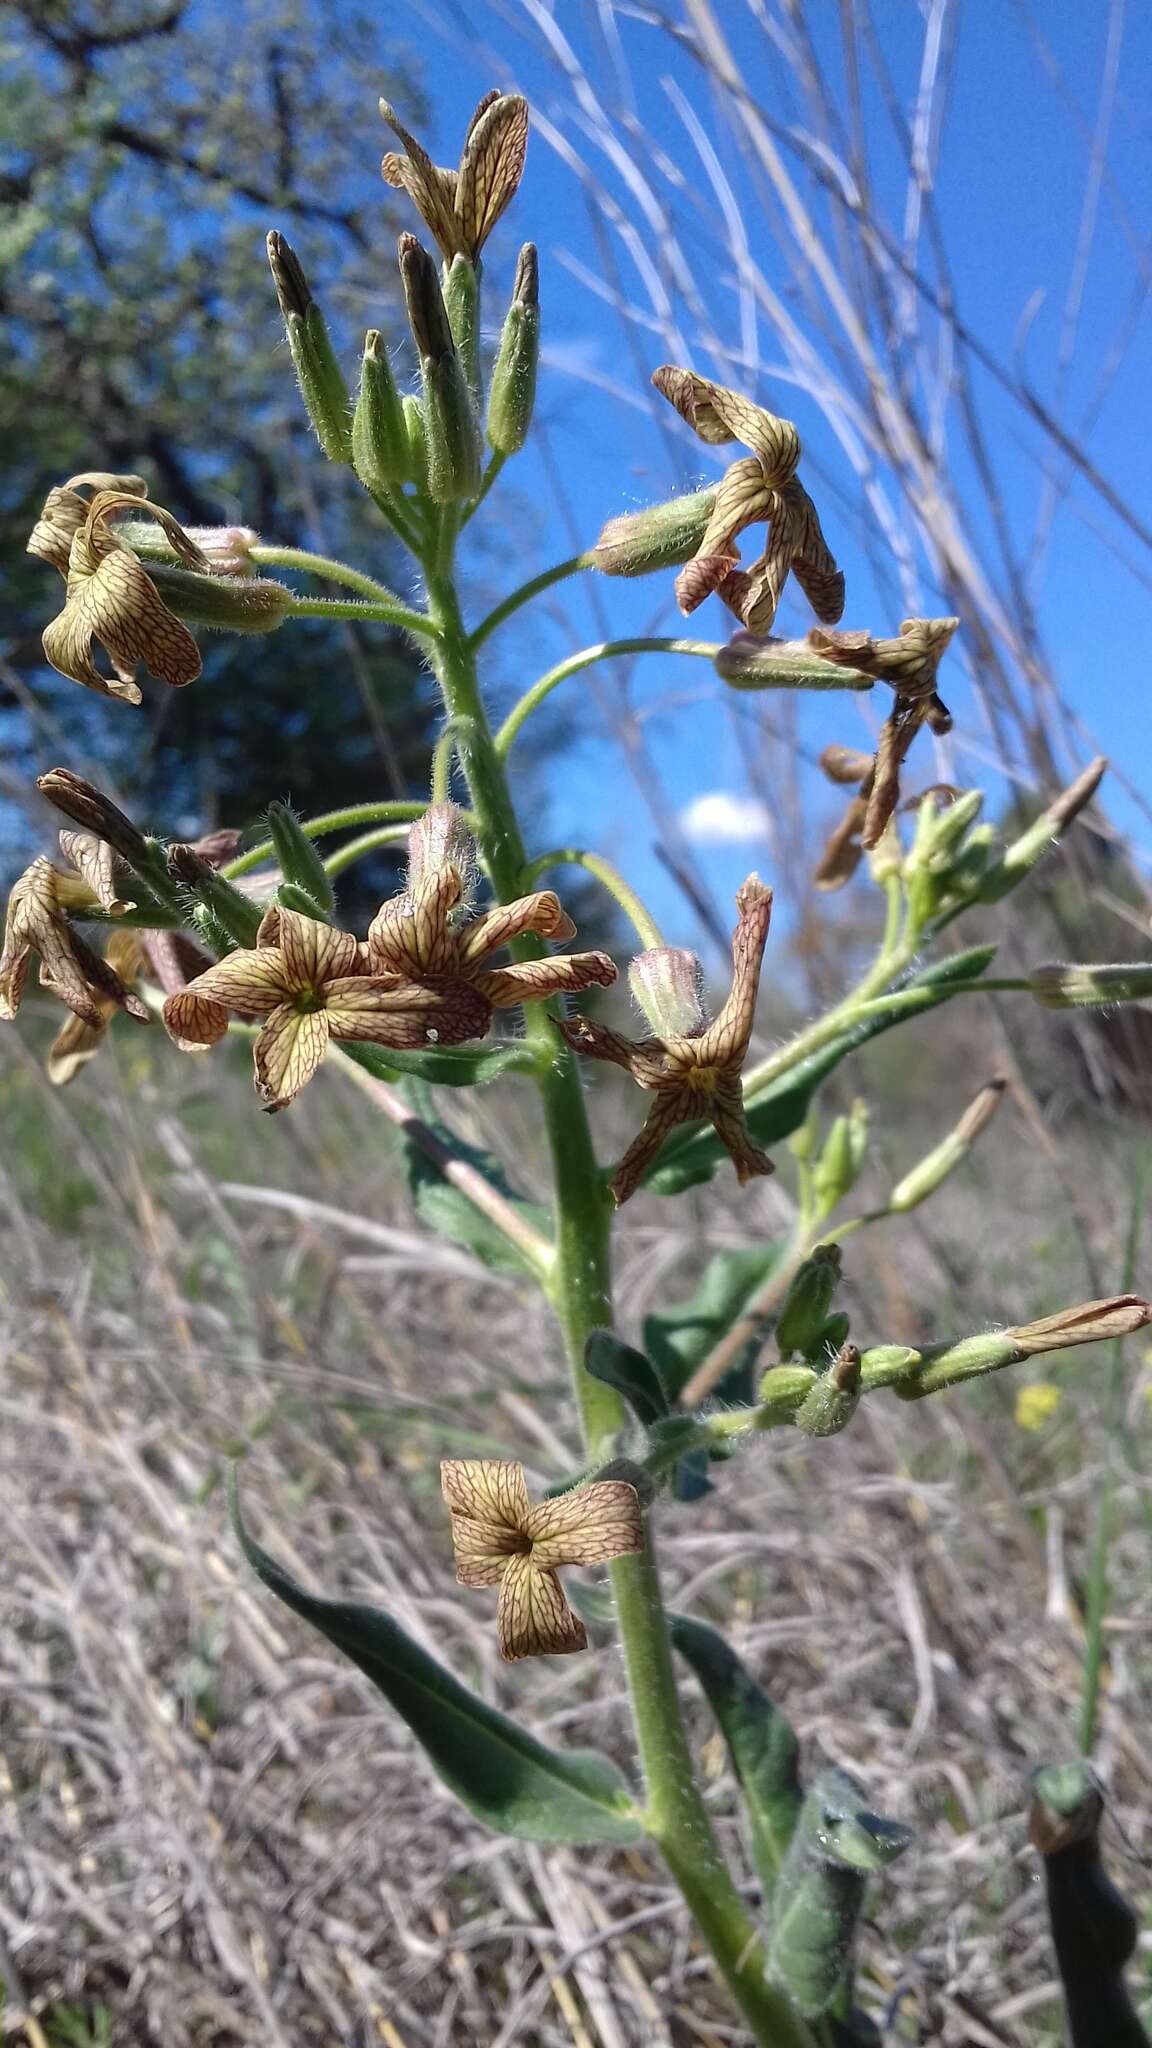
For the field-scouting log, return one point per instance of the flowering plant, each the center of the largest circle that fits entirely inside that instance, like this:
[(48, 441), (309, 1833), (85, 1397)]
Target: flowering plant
[(191, 938)]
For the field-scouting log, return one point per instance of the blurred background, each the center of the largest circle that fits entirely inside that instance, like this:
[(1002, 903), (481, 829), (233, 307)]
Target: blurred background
[(919, 230)]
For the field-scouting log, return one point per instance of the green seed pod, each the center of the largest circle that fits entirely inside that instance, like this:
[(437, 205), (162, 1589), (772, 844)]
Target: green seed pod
[(1024, 853), (884, 1364), (461, 286), (318, 373), (834, 1399), (749, 663), (513, 392), (944, 1158), (784, 1387), (416, 468), (233, 912), (819, 1894), (236, 604), (661, 537), (300, 863), (808, 1301), (379, 439)]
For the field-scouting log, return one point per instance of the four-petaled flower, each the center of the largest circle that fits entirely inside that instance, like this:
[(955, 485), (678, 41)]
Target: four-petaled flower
[(501, 1539), (908, 665), (36, 923), (112, 599), (307, 982), (694, 1071), (427, 936), (462, 207), (763, 486)]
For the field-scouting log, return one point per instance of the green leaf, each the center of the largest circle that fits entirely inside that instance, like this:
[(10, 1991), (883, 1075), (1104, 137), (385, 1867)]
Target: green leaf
[(449, 1066), (692, 1154), (678, 1339), (761, 1742), (501, 1773), (448, 1212), (630, 1372)]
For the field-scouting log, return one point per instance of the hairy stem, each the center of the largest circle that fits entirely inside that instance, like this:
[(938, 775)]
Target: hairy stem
[(610, 879), (525, 594), (603, 651)]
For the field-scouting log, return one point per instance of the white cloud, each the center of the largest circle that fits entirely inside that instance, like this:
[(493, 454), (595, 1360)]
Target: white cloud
[(721, 818)]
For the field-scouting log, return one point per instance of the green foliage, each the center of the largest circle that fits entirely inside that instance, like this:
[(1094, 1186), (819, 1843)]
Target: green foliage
[(630, 1372), (446, 1210), (678, 1339), (819, 1893), (761, 1742), (510, 1781)]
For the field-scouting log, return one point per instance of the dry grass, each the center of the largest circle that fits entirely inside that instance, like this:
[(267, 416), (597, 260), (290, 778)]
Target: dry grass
[(215, 1834)]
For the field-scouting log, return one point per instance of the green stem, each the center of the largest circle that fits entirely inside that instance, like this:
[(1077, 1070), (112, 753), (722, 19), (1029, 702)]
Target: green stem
[(525, 594), (326, 566), (391, 614), (495, 465), (396, 511), (390, 812), (603, 651), (646, 928), (358, 849), (581, 1291)]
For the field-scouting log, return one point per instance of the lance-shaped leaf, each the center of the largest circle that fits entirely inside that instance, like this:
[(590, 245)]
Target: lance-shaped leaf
[(1094, 1929), (510, 1781), (761, 1742), (819, 1893), (630, 1372), (690, 1157), (449, 1066)]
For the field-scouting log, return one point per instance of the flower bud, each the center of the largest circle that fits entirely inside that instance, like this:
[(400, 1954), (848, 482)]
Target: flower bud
[(318, 373), (833, 1401), (748, 662), (438, 841), (935, 1167), (661, 537), (884, 1364), (828, 1340), (88, 807), (808, 1301), (1061, 986), (379, 437), (236, 604), (450, 430), (783, 1388), (668, 984), (512, 395), (226, 906), (226, 549), (461, 287), (838, 1166), (1092, 1322), (416, 468), (1030, 848), (299, 862)]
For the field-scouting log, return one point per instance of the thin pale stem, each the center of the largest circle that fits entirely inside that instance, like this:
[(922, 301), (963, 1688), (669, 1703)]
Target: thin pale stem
[(396, 511), (525, 594), (495, 465), (375, 614), (358, 849), (389, 812), (644, 924), (324, 566), (603, 651)]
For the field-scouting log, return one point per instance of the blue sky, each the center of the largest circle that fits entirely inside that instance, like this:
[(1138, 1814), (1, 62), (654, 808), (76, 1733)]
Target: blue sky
[(1015, 106)]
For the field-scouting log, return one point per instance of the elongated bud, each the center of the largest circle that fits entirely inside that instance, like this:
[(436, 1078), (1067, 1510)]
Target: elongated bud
[(225, 905), (1061, 986), (1024, 853), (321, 380), (663, 536), (804, 1140), (1091, 1322), (935, 1167), (668, 983), (299, 862), (89, 807), (808, 1301), (750, 663), (834, 1399), (380, 454), (783, 1387), (438, 842), (226, 549), (838, 1166), (884, 1365), (417, 443), (512, 396), (236, 604), (461, 287), (450, 430), (940, 826)]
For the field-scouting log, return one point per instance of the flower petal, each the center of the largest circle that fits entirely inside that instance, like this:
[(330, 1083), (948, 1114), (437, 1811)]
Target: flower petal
[(76, 1042), (487, 1489), (717, 414), (405, 1015), (313, 952), (95, 862), (587, 1526), (483, 1549), (290, 1047), (596, 1042), (250, 981), (672, 1106), (533, 1618), (431, 189), (129, 616), (530, 981), (491, 168), (194, 1021), (67, 643), (541, 913), (726, 1040), (730, 1125)]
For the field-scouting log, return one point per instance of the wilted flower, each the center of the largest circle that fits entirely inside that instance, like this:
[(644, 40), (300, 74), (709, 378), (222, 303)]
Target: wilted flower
[(94, 812), (66, 508), (306, 981), (36, 923), (426, 936), (501, 1539), (909, 666), (112, 599), (80, 1038), (462, 207), (693, 1074), (760, 487)]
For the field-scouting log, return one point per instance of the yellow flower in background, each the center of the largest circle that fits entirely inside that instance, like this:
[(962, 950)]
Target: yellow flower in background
[(1037, 1404)]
